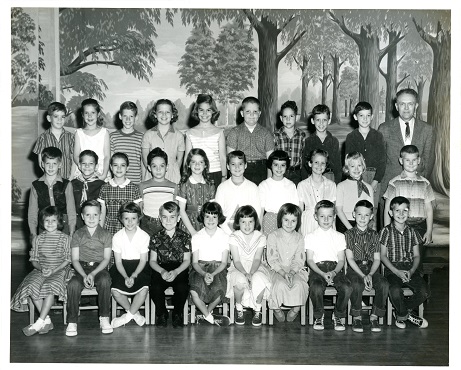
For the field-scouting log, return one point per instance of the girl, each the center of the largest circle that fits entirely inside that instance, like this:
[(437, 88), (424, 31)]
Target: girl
[(195, 189), (248, 279), (164, 136), (314, 189), (94, 137), (130, 275), (276, 190), (210, 250), (286, 257), (50, 256), (208, 137), (351, 190)]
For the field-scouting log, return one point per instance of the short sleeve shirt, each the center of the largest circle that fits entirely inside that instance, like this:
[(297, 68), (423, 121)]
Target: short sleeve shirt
[(170, 250), (210, 248), (399, 243), (363, 244), (254, 144), (91, 247), (325, 244), (130, 249)]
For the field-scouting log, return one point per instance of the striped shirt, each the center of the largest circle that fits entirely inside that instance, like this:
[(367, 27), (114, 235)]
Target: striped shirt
[(399, 244), (254, 144), (363, 244), (294, 146), (210, 145), (130, 144), (154, 194)]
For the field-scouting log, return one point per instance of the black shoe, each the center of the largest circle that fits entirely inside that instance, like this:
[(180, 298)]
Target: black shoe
[(178, 321), (161, 320)]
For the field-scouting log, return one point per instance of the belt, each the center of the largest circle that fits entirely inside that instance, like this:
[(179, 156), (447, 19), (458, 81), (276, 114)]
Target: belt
[(255, 161), (89, 263), (371, 168), (363, 262)]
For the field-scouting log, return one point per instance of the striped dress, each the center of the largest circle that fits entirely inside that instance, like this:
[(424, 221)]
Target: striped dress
[(130, 144), (50, 250)]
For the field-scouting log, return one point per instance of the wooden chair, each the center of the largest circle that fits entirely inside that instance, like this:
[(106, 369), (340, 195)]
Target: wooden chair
[(54, 307), (224, 307), (330, 291), (365, 293), (406, 293), (303, 314), (168, 294), (85, 293), (145, 307)]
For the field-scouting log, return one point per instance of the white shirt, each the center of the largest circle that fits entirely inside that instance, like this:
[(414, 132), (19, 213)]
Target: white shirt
[(273, 194), (131, 250), (403, 127), (325, 244), (210, 248)]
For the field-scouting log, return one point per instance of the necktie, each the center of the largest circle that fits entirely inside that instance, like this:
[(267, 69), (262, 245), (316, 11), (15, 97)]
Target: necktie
[(360, 186), (407, 131)]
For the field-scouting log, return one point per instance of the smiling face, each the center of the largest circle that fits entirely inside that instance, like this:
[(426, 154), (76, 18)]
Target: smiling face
[(51, 166), (363, 216), (90, 115), (130, 221), (128, 118), (87, 166), (250, 113), (400, 213), (278, 169), (119, 167), (325, 217), (318, 164), (158, 168), (364, 118), (91, 216), (210, 221), (50, 223), (57, 119), (288, 118), (247, 225), (321, 122), (204, 112), (164, 113), (406, 105), (197, 164), (289, 223), (236, 166), (410, 162), (169, 220), (356, 168)]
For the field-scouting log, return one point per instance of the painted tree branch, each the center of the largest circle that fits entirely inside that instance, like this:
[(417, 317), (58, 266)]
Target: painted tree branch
[(287, 48), (392, 44), (342, 24), (285, 24), (402, 79), (252, 18)]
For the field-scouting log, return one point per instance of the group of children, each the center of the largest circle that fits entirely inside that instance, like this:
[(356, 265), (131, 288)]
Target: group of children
[(211, 238)]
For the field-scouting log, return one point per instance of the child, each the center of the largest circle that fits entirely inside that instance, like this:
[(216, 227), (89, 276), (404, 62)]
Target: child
[(351, 190), (255, 140), (90, 251), (128, 140), (370, 143), (94, 137), (363, 257), (210, 250), (195, 189), (400, 254), (286, 257), (290, 139), (130, 275), (325, 257), (164, 136), (323, 139), (248, 278), (236, 191), (208, 137), (51, 190), (50, 256), (87, 184), (58, 137), (417, 189), (276, 190), (170, 261), (156, 191), (314, 189)]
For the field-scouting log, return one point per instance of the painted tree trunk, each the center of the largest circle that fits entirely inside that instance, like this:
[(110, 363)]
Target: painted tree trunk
[(345, 107), (335, 114), (304, 90), (324, 81), (391, 77), (420, 89)]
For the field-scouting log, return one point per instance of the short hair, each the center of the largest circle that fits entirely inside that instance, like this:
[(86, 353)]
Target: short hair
[(56, 107), (353, 156), (50, 211), (51, 152), (205, 98), (409, 149), (324, 204), (243, 212), (94, 103), (157, 152), (363, 203), (397, 201), (129, 207), (236, 154), (289, 104), (407, 91), (289, 209), (89, 153), (119, 155), (174, 111), (315, 152), (169, 207), (90, 203), (212, 208), (129, 105), (321, 109), (363, 105), (278, 155), (250, 100)]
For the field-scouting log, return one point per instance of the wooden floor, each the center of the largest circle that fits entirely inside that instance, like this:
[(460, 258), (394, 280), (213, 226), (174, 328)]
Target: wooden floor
[(283, 343)]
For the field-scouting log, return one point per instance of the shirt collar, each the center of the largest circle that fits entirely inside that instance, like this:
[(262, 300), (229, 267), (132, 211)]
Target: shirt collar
[(194, 181), (404, 175), (121, 186), (57, 179), (296, 131), (170, 129), (402, 122)]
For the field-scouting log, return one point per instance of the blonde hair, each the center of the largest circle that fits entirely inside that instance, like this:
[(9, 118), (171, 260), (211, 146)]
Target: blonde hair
[(353, 156)]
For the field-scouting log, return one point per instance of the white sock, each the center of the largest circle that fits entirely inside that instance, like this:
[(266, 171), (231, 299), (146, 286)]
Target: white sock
[(238, 307), (47, 319), (40, 323), (129, 315), (209, 318), (258, 307)]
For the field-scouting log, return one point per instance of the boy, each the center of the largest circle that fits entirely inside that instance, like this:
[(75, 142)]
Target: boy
[(128, 140), (363, 257), (91, 248), (58, 137), (170, 259), (87, 185), (52, 190), (400, 254), (323, 139), (236, 191), (417, 189), (156, 191), (325, 257), (255, 140)]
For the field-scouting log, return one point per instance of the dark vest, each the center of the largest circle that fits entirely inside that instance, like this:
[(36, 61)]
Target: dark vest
[(59, 194)]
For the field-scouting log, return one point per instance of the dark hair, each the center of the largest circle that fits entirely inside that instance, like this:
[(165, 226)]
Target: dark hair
[(236, 154), (407, 91), (362, 105), (51, 152), (397, 201), (212, 208), (351, 157), (363, 203), (157, 152), (129, 207), (246, 211), (250, 100), (188, 172), (153, 111), (409, 149), (89, 153), (56, 107), (321, 109), (315, 152), (94, 103), (119, 155), (50, 211), (289, 104), (169, 207), (325, 204), (129, 105), (278, 155), (289, 209), (90, 203), (205, 98)]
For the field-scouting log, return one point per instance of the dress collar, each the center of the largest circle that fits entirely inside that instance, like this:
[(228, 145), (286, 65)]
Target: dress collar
[(121, 186)]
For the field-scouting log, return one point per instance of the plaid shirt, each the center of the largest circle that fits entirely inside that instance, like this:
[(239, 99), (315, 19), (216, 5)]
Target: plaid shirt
[(294, 146), (399, 244), (363, 244), (254, 144), (170, 250)]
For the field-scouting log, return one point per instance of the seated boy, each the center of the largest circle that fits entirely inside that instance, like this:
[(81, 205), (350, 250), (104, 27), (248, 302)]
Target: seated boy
[(400, 254), (325, 257), (363, 257), (91, 248)]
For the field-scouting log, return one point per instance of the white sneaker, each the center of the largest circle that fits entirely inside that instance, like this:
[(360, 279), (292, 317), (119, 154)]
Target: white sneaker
[(119, 321), (105, 326), (71, 330), (318, 323), (338, 324), (139, 319)]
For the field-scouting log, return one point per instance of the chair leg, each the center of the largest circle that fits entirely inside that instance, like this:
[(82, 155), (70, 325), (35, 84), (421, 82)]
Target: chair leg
[(421, 310), (31, 311), (303, 315), (114, 308), (271, 317), (186, 313), (389, 312), (349, 317), (311, 312), (192, 313), (264, 311), (147, 308), (232, 309), (152, 313)]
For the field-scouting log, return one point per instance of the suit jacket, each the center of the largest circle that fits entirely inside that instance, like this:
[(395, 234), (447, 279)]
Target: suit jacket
[(393, 142)]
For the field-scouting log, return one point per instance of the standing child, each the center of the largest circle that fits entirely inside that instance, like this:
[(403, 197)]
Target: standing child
[(210, 250), (128, 140), (351, 190), (286, 257), (248, 278), (314, 189), (290, 139), (255, 140), (50, 256), (94, 137), (276, 190), (323, 139), (164, 136), (195, 189), (58, 137), (131, 274), (208, 137)]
